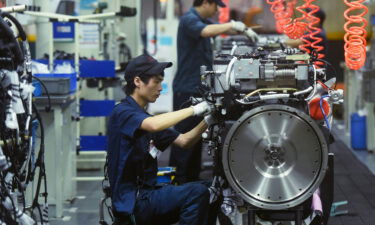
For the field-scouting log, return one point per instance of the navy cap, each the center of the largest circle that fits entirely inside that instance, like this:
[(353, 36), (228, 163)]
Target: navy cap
[(220, 3), (145, 64)]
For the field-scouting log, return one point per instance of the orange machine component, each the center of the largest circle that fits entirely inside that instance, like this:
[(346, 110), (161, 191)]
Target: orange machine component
[(315, 111), (355, 37)]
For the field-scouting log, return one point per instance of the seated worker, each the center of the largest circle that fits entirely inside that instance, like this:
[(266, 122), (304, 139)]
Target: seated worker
[(134, 140)]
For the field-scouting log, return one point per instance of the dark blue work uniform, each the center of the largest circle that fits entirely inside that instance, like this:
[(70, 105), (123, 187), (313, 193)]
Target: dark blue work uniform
[(132, 173), (193, 51)]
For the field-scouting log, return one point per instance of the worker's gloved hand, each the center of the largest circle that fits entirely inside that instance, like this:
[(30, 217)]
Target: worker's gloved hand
[(210, 119), (201, 108), (251, 34), (238, 26)]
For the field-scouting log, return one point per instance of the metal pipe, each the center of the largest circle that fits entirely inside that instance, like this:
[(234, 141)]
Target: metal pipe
[(61, 17), (235, 46), (270, 89), (228, 77), (17, 8), (97, 16), (303, 91)]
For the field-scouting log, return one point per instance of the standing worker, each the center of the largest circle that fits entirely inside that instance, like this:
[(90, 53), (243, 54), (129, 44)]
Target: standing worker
[(134, 141), (194, 50)]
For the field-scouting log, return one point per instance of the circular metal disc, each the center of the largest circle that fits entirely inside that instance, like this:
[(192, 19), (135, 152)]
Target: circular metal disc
[(275, 157)]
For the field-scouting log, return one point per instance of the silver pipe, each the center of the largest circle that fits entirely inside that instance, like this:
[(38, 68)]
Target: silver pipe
[(17, 8), (303, 91), (228, 77)]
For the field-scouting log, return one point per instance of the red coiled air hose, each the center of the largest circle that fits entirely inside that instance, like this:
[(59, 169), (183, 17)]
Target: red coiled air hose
[(310, 39), (355, 37), (294, 29), (279, 12), (283, 12)]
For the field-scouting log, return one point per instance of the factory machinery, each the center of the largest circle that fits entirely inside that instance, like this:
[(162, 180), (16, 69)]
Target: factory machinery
[(20, 162), (270, 143)]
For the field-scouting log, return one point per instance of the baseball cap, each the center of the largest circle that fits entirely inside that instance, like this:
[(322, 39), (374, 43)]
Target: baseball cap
[(220, 3), (145, 64)]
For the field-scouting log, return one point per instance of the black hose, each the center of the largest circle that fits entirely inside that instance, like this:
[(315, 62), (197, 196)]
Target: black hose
[(14, 45), (18, 25), (40, 163), (48, 108)]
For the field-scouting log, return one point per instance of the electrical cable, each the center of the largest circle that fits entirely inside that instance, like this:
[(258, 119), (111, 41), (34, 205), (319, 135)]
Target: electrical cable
[(40, 163), (324, 114), (15, 139), (48, 108)]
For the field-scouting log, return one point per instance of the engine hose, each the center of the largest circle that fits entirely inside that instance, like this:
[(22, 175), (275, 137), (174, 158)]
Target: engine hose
[(355, 37), (307, 90), (269, 89), (228, 76), (235, 46)]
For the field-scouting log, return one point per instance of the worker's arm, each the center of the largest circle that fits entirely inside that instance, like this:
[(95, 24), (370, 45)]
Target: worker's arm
[(166, 120), (213, 30), (293, 43), (189, 139), (233, 27)]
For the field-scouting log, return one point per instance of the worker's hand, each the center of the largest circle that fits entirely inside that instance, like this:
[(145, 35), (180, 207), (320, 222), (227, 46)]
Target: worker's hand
[(238, 26), (210, 120), (201, 109), (251, 34)]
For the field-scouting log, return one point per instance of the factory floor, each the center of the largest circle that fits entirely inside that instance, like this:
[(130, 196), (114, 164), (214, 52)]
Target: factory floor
[(354, 182)]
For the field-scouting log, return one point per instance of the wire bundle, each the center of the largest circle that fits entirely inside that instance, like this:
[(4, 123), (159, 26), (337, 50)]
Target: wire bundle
[(18, 122), (355, 37)]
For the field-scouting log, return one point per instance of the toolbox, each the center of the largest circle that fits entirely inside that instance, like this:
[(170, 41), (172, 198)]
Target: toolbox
[(58, 84)]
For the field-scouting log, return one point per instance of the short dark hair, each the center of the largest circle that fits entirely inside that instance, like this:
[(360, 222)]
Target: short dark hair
[(130, 86), (320, 14), (200, 2)]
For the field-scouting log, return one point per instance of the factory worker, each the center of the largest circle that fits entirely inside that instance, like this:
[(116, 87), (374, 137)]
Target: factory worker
[(194, 50), (135, 138)]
